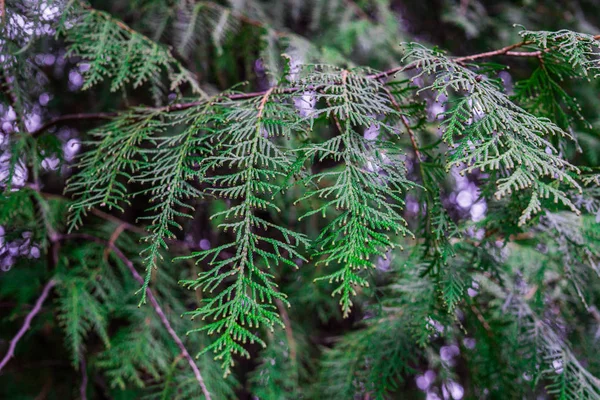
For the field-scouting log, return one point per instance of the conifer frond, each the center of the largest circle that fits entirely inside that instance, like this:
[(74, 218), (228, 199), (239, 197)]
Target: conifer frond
[(170, 169), (158, 151), (553, 358), (542, 95), (85, 292), (81, 313), (574, 244), (498, 297), (281, 372), (591, 179), (204, 19), (245, 144), (488, 132), (101, 182), (133, 355), (368, 363), (366, 188), (579, 50), (113, 51)]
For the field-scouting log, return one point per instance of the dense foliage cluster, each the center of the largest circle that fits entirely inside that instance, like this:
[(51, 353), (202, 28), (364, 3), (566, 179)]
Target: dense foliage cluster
[(298, 199)]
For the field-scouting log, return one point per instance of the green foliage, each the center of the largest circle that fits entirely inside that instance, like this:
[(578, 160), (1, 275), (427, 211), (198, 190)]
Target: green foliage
[(549, 356), (83, 298), (370, 360), (496, 135), (114, 51), (100, 181), (168, 167), (281, 370), (245, 144), (326, 228), (128, 359), (578, 50), (370, 177)]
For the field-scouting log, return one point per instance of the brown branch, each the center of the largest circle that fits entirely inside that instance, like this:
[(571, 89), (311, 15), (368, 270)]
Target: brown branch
[(503, 51), (113, 238), (263, 102), (506, 51), (482, 320), (406, 123), (43, 394), (494, 53), (84, 379), (2, 11), (289, 333), (157, 308), (524, 53), (72, 117), (118, 221), (36, 309)]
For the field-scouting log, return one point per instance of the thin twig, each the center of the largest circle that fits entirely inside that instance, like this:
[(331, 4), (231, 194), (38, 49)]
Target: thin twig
[(43, 395), (36, 309), (289, 333), (506, 51), (118, 221), (84, 379), (72, 117), (113, 238), (487, 54), (157, 308), (481, 319), (406, 123), (493, 53), (263, 102)]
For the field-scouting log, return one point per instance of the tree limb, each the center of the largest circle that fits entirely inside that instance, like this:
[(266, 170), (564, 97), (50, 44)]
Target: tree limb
[(504, 51), (84, 379), (36, 309), (406, 123), (72, 117)]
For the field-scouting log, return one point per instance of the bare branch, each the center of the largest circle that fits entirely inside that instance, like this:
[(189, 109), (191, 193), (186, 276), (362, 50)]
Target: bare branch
[(505, 51), (84, 379), (72, 117), (26, 325), (289, 333), (406, 123)]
